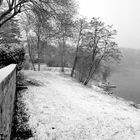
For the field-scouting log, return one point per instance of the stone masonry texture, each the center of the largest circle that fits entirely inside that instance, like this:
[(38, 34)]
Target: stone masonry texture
[(7, 97)]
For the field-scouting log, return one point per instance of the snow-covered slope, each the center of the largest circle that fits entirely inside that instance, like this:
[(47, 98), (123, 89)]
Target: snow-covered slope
[(63, 109)]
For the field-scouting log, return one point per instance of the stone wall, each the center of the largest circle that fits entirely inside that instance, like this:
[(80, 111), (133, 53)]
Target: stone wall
[(7, 97)]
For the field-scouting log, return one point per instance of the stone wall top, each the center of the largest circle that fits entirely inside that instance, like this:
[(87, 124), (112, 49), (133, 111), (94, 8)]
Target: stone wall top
[(4, 72)]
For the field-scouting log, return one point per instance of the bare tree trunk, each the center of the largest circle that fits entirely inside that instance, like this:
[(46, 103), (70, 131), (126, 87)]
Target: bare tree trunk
[(46, 58), (74, 65), (29, 51), (38, 49), (14, 8), (62, 56), (92, 60), (87, 79), (93, 71), (76, 53), (91, 68), (30, 54), (89, 75), (75, 59)]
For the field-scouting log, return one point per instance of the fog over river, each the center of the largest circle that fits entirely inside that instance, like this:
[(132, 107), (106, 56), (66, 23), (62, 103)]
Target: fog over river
[(128, 84)]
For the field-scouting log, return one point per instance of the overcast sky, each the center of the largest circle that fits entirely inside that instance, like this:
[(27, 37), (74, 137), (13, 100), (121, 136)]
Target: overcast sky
[(123, 14)]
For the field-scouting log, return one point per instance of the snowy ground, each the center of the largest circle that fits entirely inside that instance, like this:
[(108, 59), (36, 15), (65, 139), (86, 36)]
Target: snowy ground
[(63, 109)]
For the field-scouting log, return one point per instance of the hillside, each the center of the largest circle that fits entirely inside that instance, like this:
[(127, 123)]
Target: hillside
[(63, 109)]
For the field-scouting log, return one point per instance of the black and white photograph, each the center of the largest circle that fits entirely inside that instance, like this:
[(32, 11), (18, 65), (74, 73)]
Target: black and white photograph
[(69, 69)]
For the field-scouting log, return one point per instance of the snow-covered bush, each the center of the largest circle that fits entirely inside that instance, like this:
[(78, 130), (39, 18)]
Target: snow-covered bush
[(12, 55)]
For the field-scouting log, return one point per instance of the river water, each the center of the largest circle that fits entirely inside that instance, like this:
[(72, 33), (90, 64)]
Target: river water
[(128, 84)]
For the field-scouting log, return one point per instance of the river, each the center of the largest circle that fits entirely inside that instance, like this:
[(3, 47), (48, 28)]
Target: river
[(127, 81)]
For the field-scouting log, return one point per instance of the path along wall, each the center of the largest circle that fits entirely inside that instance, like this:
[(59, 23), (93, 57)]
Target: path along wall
[(7, 97)]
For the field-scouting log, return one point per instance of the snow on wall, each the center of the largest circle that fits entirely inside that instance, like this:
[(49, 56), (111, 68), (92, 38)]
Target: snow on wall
[(7, 96)]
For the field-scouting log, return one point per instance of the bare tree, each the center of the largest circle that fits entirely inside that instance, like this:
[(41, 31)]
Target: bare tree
[(98, 40), (53, 22), (80, 26), (10, 8), (29, 44), (26, 27), (65, 33)]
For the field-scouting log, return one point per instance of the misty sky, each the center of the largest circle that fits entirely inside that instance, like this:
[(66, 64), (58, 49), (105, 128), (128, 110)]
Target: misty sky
[(123, 14)]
